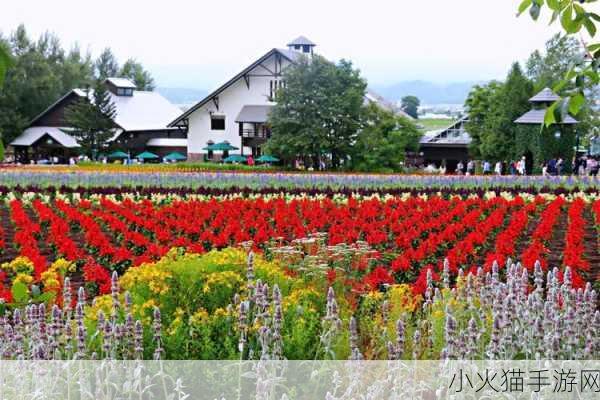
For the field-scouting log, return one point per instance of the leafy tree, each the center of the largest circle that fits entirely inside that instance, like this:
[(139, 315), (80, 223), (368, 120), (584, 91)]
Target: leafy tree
[(410, 105), (492, 110), (549, 68), (41, 72), (5, 60), (135, 72), (106, 65), (382, 143), (318, 112), (480, 103), (574, 16), (92, 120)]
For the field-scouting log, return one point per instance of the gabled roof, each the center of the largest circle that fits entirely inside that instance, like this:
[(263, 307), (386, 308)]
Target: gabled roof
[(301, 41), (144, 111), (536, 117), (121, 83), (35, 133), (292, 56), (453, 136), (545, 96), (140, 112), (78, 92)]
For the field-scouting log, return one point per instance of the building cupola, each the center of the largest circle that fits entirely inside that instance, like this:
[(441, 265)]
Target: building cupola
[(302, 45), (120, 86)]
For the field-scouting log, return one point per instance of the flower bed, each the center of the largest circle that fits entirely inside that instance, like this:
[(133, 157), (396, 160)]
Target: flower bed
[(411, 234)]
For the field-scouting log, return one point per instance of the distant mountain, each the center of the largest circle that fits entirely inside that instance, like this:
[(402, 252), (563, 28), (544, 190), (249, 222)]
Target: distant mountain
[(429, 92), (182, 96)]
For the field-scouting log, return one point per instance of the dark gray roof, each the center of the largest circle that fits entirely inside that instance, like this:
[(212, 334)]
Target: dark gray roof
[(536, 117), (301, 41), (258, 114), (545, 96)]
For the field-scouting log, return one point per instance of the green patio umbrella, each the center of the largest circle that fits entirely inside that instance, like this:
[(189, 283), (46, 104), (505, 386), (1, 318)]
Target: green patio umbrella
[(175, 156), (146, 156), (223, 146), (118, 154), (267, 159), (234, 158)]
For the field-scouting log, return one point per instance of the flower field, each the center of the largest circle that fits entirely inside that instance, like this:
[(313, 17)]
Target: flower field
[(408, 234), (333, 275)]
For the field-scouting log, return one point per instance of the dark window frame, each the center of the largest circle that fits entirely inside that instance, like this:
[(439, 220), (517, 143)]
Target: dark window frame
[(220, 126)]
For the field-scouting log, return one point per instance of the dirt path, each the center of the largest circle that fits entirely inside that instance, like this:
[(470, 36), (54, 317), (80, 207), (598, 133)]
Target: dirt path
[(9, 252), (557, 243), (590, 242)]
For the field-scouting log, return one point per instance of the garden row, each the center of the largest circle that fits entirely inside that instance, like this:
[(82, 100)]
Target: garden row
[(264, 182), (406, 236)]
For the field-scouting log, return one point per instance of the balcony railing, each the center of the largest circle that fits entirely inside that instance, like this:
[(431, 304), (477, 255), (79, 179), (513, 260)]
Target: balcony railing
[(251, 133)]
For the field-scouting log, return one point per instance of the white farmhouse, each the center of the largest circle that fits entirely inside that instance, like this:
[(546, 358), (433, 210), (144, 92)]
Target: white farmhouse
[(237, 111)]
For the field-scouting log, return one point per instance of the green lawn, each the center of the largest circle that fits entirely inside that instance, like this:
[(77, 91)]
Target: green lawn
[(433, 124)]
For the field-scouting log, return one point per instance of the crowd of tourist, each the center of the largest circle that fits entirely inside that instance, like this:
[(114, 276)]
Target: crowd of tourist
[(584, 165)]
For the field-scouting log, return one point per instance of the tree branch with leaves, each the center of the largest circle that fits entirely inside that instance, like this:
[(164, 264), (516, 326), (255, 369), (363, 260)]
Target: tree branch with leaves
[(576, 18)]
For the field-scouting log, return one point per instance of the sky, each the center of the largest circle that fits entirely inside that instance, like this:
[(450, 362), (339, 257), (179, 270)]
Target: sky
[(200, 44)]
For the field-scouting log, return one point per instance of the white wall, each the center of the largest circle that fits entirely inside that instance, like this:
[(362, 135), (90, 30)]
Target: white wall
[(231, 102)]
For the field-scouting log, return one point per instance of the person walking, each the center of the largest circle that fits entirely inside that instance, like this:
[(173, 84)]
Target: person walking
[(521, 166), (470, 167), (487, 167), (498, 168), (559, 166), (459, 168)]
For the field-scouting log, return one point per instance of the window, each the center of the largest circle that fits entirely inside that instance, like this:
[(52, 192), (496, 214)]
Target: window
[(297, 47), (306, 48), (124, 92), (274, 87), (217, 122)]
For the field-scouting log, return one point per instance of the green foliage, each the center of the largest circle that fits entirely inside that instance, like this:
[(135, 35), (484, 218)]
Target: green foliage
[(383, 141), (106, 65), (410, 105), (41, 71), (134, 71), (318, 112), (1, 150), (92, 120), (574, 16), (492, 110), (5, 61)]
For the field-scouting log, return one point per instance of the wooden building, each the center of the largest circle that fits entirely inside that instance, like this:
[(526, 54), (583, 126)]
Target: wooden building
[(140, 124), (446, 146)]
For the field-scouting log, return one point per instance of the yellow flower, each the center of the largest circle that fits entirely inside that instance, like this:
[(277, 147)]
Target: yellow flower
[(402, 299), (199, 317), (24, 278), (19, 265), (228, 279)]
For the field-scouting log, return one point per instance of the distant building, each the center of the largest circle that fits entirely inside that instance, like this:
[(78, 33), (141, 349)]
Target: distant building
[(237, 111), (141, 124), (540, 103), (449, 145)]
